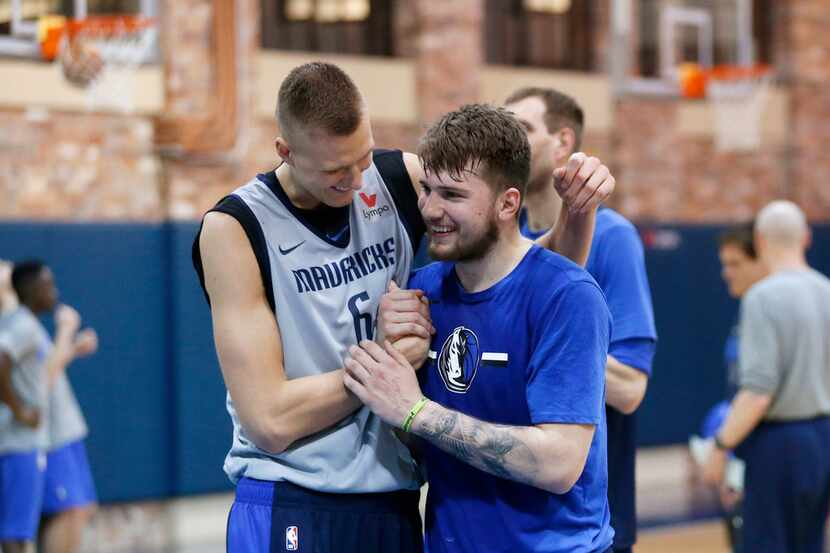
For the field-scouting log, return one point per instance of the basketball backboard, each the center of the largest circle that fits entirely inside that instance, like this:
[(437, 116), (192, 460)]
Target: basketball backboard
[(652, 38)]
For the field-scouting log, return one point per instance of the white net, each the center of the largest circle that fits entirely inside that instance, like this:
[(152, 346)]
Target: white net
[(738, 104), (104, 59)]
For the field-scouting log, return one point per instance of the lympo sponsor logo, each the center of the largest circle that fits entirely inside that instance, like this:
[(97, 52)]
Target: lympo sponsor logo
[(369, 200), (376, 212)]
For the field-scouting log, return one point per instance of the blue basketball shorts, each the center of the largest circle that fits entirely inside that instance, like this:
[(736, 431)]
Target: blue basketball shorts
[(270, 517), (69, 482), (22, 477), (787, 495)]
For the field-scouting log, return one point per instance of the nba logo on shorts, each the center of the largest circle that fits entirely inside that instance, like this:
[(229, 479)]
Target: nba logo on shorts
[(292, 539)]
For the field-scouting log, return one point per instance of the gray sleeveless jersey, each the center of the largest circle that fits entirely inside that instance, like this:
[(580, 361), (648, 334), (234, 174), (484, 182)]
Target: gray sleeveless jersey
[(326, 299)]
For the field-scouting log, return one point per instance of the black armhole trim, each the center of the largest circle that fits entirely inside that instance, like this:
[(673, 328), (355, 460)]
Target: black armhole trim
[(392, 169), (239, 210)]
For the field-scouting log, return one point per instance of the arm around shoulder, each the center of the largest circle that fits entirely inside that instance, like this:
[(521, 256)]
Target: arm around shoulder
[(415, 170), (571, 236), (274, 411)]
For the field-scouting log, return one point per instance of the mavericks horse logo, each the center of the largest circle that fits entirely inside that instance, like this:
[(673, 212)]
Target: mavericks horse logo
[(459, 359)]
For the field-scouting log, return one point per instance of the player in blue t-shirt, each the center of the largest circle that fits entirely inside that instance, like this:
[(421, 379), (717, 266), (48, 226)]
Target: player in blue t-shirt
[(509, 407), (554, 122), (740, 269)]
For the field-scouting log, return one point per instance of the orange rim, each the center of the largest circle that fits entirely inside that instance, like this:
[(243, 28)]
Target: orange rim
[(98, 25), (108, 25), (694, 80), (738, 72)]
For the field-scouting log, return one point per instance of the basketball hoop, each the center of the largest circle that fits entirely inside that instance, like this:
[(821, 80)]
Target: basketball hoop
[(101, 55), (738, 96)]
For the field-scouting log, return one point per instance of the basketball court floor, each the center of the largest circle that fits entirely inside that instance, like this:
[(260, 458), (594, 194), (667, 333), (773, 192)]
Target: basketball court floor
[(677, 514)]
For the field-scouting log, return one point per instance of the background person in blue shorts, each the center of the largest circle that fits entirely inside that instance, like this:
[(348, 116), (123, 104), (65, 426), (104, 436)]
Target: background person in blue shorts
[(27, 360), (554, 123), (24, 347), (69, 494), (514, 425)]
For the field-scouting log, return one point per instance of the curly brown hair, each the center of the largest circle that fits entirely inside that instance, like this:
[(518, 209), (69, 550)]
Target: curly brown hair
[(479, 138)]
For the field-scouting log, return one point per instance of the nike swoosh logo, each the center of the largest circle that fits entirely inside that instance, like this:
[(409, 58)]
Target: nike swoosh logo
[(289, 250)]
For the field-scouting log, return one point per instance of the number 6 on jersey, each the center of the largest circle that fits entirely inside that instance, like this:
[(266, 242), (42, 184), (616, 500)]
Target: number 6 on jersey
[(366, 318)]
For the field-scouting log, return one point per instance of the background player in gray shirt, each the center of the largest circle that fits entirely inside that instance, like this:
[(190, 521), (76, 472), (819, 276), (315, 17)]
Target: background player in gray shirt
[(24, 346), (69, 497), (27, 358), (780, 417)]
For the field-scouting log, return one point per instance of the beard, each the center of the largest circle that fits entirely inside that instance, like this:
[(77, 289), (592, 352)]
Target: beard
[(470, 249)]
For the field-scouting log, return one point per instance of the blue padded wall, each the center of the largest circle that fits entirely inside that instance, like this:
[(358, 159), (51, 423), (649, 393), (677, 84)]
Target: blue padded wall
[(115, 275), (694, 315), (203, 427)]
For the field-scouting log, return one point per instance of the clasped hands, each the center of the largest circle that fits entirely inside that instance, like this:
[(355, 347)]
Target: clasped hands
[(382, 374)]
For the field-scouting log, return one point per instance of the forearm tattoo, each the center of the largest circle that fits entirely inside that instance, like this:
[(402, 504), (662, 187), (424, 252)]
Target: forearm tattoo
[(493, 448)]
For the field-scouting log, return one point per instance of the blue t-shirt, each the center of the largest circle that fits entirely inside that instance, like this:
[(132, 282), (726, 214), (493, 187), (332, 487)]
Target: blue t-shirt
[(529, 350), (617, 262), (730, 358)]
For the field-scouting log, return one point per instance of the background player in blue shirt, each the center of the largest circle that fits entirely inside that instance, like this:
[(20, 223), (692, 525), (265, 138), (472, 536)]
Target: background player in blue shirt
[(740, 269), (514, 426), (554, 123)]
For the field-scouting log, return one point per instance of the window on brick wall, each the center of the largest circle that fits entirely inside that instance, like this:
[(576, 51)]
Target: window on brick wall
[(19, 19), (557, 34), (730, 43), (361, 27)]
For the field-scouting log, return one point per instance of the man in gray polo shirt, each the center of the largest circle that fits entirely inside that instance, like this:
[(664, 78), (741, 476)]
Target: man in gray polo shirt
[(780, 417)]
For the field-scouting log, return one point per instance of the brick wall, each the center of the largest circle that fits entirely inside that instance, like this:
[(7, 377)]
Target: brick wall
[(809, 62), (666, 176), (449, 52), (56, 165)]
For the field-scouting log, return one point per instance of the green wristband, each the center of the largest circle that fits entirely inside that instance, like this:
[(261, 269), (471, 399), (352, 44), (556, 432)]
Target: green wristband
[(407, 424)]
